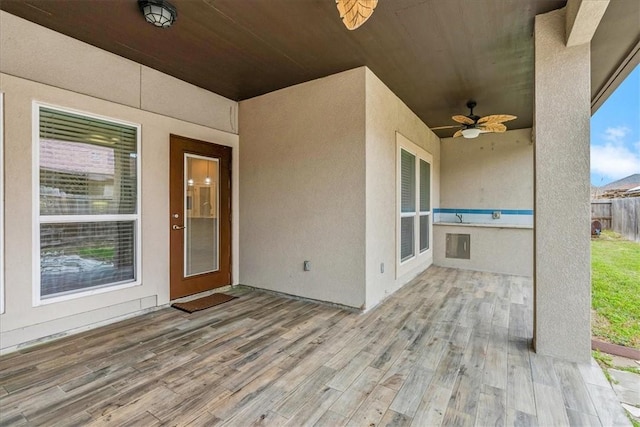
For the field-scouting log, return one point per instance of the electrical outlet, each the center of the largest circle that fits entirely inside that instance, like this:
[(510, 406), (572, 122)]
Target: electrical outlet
[(496, 215), (307, 266)]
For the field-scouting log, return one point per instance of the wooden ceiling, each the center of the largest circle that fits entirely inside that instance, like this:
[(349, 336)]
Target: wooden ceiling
[(434, 54)]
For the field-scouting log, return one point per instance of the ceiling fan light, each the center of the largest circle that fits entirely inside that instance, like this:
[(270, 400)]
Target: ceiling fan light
[(160, 13), (470, 133)]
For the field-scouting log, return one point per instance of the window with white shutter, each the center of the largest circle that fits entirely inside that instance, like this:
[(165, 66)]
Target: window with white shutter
[(414, 203)]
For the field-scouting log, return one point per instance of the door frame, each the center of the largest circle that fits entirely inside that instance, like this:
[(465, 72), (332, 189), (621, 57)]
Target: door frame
[(224, 276)]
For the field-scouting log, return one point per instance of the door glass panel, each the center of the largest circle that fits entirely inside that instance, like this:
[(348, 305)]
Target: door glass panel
[(201, 213)]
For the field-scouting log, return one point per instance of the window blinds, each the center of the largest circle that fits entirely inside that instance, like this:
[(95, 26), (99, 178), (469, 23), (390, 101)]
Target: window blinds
[(408, 181), (424, 232), (82, 255), (425, 186), (425, 204), (408, 203), (87, 165)]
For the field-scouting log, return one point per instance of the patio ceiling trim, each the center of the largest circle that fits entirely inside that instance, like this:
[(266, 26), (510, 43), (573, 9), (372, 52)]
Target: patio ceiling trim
[(618, 76), (583, 18)]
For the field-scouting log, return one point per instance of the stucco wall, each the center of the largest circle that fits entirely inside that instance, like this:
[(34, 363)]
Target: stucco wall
[(562, 192), (303, 189), (36, 53), (50, 78), (386, 114), (318, 183), (493, 172)]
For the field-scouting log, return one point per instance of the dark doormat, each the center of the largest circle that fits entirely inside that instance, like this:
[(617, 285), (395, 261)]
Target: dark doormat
[(203, 303)]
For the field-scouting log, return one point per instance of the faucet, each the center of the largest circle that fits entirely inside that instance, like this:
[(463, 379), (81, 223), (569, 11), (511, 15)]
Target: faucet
[(460, 218)]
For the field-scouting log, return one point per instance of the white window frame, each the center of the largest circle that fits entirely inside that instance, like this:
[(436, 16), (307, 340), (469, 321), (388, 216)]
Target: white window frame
[(2, 249), (37, 219), (403, 267)]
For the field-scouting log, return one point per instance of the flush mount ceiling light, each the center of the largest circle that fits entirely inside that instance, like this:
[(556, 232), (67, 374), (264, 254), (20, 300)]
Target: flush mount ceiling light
[(160, 13), (471, 133)]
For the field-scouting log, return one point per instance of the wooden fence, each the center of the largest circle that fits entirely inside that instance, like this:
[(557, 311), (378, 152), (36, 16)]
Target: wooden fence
[(601, 211), (619, 215), (625, 217)]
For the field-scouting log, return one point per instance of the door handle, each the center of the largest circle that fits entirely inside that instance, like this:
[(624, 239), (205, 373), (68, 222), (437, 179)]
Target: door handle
[(178, 227)]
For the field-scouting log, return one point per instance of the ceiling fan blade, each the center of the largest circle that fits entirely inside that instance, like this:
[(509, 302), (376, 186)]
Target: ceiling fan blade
[(355, 12), (496, 118), (493, 127), (463, 119), (446, 127), (457, 134)]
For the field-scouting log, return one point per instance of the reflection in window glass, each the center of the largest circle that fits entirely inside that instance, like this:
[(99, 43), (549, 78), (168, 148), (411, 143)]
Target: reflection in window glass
[(76, 256)]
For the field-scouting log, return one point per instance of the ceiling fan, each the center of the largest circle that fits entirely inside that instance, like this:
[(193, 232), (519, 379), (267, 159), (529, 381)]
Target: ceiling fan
[(473, 125), (355, 12)]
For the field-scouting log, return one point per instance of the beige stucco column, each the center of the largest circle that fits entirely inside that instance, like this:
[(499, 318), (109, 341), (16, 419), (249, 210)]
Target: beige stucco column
[(562, 211)]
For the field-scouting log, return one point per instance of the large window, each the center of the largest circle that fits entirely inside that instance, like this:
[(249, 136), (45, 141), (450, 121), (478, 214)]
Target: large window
[(414, 188), (88, 219)]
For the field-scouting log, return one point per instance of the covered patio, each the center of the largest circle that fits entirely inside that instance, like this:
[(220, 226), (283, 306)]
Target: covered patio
[(452, 347), (314, 120), (352, 309)]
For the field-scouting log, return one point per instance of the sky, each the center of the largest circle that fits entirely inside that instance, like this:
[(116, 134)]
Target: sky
[(615, 133)]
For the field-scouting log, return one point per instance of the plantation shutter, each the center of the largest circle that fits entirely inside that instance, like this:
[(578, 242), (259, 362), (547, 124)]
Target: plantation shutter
[(425, 204), (425, 186), (408, 204), (408, 181)]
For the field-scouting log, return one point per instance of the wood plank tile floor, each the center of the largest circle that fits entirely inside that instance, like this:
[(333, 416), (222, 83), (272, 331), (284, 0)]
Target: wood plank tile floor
[(450, 348)]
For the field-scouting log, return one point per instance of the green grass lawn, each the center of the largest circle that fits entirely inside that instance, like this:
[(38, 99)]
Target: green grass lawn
[(615, 288)]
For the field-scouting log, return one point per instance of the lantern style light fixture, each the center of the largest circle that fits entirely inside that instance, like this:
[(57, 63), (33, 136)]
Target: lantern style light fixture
[(160, 13)]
